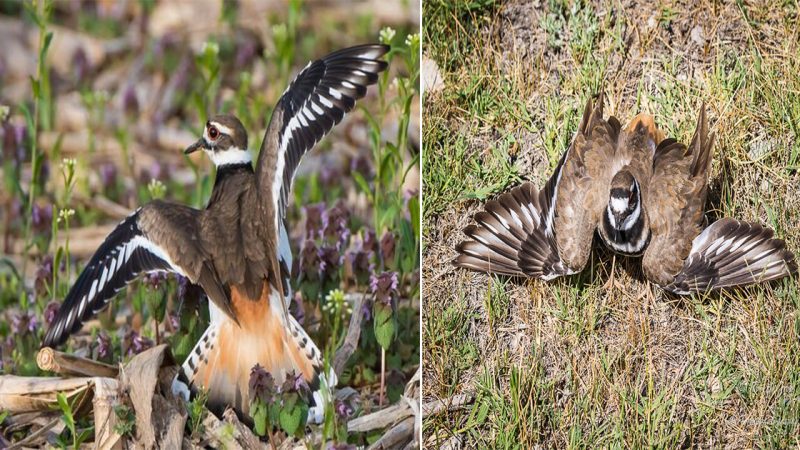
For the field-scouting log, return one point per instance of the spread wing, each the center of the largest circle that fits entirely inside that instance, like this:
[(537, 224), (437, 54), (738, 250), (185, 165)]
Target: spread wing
[(159, 237), (682, 256), (582, 191), (676, 201), (316, 100)]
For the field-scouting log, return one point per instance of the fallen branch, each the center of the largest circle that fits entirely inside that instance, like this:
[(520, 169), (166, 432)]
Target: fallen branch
[(65, 364), (23, 394), (351, 340), (396, 437), (379, 419), (438, 406)]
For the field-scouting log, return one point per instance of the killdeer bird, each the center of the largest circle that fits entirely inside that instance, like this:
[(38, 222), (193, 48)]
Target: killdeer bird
[(231, 248), (644, 196)]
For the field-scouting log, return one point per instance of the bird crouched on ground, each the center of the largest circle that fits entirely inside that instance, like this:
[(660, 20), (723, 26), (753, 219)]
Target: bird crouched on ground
[(236, 249), (643, 195)]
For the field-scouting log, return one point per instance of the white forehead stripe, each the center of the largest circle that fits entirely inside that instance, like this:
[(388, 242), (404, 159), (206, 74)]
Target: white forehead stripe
[(222, 128)]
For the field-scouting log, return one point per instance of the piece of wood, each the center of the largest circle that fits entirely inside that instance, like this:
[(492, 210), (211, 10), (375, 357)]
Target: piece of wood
[(379, 419), (244, 436), (438, 406), (65, 364), (140, 378), (106, 398), (24, 394), (397, 437), (350, 344)]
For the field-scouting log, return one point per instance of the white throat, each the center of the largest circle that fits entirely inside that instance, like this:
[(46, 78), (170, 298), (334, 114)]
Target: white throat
[(230, 156)]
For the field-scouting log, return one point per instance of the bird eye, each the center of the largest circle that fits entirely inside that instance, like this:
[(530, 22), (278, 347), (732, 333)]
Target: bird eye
[(213, 133)]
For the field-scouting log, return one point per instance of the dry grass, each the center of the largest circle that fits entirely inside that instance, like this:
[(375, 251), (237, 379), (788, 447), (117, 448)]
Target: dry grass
[(569, 364)]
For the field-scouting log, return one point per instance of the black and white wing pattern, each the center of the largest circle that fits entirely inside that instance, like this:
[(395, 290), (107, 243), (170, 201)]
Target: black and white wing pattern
[(158, 237), (733, 253), (316, 100)]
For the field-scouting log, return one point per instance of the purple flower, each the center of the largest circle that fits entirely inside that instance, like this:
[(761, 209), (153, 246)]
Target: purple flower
[(366, 309), (330, 259), (343, 409), (370, 241), (387, 247), (183, 285), (19, 322), (314, 219), (135, 343), (384, 286), (44, 273), (50, 312), (361, 266), (23, 323), (334, 224), (295, 383), (41, 216), (103, 345), (154, 279), (174, 320), (261, 385), (33, 323), (108, 175)]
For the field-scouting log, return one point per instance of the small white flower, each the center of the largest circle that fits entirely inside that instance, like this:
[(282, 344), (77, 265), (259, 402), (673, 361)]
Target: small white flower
[(211, 47), (387, 34), (65, 214)]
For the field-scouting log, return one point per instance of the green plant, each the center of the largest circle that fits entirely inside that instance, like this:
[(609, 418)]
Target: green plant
[(126, 420), (69, 419)]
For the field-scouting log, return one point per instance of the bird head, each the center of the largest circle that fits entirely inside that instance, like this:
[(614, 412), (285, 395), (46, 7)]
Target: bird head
[(224, 140), (624, 201)]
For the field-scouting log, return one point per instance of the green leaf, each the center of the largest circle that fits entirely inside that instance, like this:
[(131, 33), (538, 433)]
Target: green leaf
[(413, 209), (291, 419), (67, 411), (362, 183), (384, 325), (258, 411), (48, 38)]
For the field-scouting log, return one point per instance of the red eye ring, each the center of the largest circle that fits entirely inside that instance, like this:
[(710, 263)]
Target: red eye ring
[(213, 133)]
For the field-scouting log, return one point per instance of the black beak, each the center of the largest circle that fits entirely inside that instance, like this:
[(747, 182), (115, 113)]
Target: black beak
[(200, 144)]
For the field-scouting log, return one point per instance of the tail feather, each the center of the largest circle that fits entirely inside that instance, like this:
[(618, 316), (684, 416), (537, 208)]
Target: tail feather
[(701, 146), (731, 253), (510, 237), (224, 356)]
